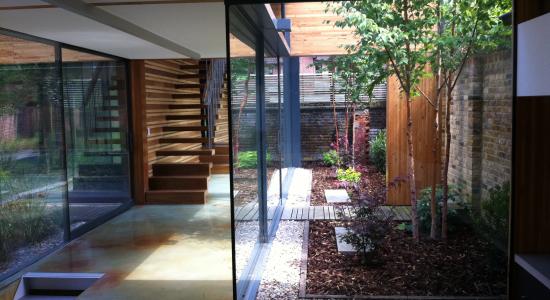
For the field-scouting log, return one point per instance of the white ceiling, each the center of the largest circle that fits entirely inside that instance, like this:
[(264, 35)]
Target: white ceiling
[(197, 26)]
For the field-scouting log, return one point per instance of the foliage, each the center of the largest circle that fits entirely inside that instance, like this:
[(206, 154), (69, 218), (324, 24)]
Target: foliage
[(396, 38), (377, 151), (396, 32), (493, 220), (350, 74), (26, 222), (349, 175), (456, 214), (249, 159), (331, 158), (467, 27), (241, 69), (367, 229)]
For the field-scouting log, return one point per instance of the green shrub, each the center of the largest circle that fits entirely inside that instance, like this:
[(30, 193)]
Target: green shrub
[(456, 211), (493, 220), (249, 159), (367, 230), (331, 158), (348, 175), (377, 151), (26, 222)]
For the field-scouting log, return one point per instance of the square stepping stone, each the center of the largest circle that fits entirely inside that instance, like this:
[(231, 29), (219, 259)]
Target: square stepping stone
[(343, 247), (337, 196)]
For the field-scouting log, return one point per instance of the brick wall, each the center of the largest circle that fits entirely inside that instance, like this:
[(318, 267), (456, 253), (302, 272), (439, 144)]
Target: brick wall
[(317, 126), (481, 125)]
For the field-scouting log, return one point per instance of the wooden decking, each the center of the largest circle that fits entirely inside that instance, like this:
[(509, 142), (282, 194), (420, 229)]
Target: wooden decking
[(249, 212)]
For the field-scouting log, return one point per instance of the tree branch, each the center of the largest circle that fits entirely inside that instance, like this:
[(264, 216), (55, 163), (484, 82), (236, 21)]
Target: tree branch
[(425, 96)]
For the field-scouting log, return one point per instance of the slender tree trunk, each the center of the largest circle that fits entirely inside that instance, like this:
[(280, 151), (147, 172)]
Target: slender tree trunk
[(346, 126), (334, 114), (353, 107), (410, 171), (241, 109), (436, 170), (444, 207)]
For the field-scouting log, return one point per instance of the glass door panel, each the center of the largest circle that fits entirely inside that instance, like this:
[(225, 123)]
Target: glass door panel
[(245, 158), (96, 133), (272, 120)]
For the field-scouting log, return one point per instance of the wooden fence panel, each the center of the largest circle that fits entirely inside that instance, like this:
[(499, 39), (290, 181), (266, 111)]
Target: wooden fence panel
[(423, 134)]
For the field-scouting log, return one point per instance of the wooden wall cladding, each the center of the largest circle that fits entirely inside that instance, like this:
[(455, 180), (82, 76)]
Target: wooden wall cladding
[(139, 130), (532, 175), (423, 134), (531, 160), (173, 105), (525, 10)]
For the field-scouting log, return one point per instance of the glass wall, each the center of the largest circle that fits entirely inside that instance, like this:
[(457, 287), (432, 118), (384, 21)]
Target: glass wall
[(256, 96), (64, 160), (32, 174), (273, 125), (94, 92)]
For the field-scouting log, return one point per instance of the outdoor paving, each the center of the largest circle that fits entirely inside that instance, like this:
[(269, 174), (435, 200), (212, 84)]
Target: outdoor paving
[(249, 212), (343, 247), (337, 196)]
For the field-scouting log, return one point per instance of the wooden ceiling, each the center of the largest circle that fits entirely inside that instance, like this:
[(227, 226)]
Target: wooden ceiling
[(19, 51), (310, 35)]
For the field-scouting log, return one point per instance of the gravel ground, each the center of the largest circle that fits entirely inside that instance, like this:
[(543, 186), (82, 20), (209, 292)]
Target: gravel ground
[(281, 276), (246, 235), (299, 192)]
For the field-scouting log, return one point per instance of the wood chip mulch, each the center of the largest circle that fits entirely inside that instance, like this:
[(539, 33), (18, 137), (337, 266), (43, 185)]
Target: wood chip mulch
[(373, 183), (460, 267), (246, 182)]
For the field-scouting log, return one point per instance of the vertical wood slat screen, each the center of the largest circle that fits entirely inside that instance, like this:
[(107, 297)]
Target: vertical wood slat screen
[(397, 152)]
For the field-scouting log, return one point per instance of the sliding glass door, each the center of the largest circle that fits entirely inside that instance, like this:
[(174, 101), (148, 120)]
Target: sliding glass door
[(96, 135)]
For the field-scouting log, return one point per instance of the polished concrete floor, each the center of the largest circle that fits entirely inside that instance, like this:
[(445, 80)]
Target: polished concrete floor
[(157, 252)]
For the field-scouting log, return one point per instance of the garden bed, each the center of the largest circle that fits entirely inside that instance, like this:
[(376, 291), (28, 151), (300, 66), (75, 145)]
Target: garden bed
[(245, 181), (459, 267), (373, 183)]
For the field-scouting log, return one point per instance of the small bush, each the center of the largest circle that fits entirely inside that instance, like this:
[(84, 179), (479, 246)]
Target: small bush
[(249, 159), (348, 175), (377, 151), (367, 230), (331, 158), (493, 220), (456, 211), (26, 222)]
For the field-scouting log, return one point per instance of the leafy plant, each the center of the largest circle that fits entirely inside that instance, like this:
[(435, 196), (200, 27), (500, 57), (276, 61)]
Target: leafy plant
[(349, 175), (377, 151), (493, 220), (331, 158), (366, 230), (457, 211), (249, 159), (26, 222)]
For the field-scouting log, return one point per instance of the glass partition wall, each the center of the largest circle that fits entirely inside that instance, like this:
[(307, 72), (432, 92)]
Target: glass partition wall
[(256, 103), (63, 145)]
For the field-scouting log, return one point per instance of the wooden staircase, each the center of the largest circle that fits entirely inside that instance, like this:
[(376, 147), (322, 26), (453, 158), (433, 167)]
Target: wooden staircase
[(180, 163), (101, 172)]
